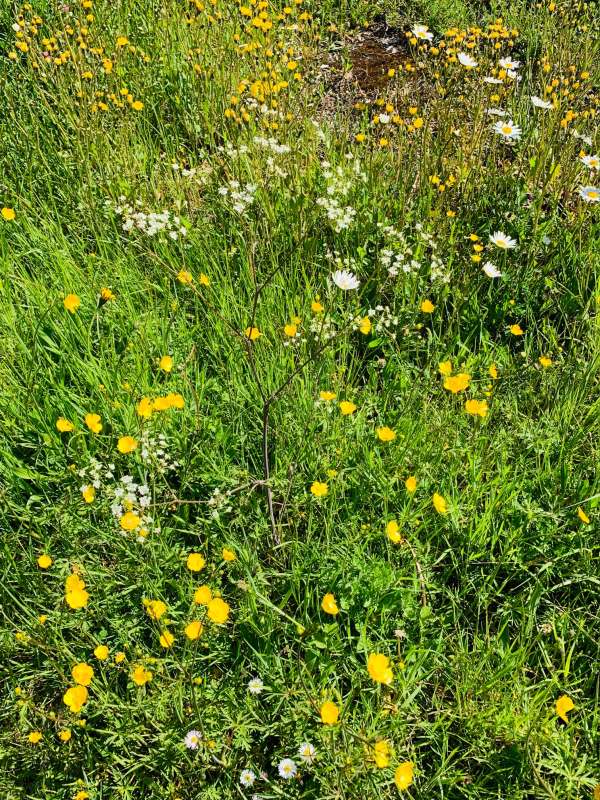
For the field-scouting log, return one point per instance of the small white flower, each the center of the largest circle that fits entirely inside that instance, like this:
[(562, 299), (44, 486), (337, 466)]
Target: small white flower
[(508, 130), (192, 740), (490, 79), (255, 686), (593, 162), (466, 60), (503, 241), (307, 752), (491, 270), (589, 193), (345, 280), (247, 777), (287, 768), (539, 103), (421, 32), (508, 63), (384, 119), (495, 112)]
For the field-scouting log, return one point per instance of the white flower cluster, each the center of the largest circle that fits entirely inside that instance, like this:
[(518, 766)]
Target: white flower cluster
[(154, 449), (185, 172), (339, 183), (131, 496), (382, 318), (396, 255), (287, 767), (322, 327), (95, 472), (241, 197), (149, 223), (219, 503)]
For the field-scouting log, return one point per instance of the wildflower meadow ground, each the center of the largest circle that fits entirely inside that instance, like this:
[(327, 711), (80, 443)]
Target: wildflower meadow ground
[(299, 400)]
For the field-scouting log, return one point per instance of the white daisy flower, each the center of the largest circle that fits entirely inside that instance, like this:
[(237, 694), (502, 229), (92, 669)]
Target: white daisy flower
[(593, 162), (247, 777), (491, 270), (307, 752), (508, 63), (345, 280), (255, 686), (192, 740), (589, 193), (287, 768), (508, 130), (422, 32), (503, 241), (539, 103), (466, 60)]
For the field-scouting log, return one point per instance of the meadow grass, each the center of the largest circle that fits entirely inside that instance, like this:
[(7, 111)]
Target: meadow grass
[(393, 487)]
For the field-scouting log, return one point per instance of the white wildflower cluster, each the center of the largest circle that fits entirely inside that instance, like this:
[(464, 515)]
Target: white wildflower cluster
[(154, 450), (185, 172), (339, 183), (96, 473), (124, 495), (383, 320), (241, 197), (323, 327), (274, 151), (396, 254), (341, 217), (287, 767), (131, 496), (437, 268), (150, 223), (219, 503)]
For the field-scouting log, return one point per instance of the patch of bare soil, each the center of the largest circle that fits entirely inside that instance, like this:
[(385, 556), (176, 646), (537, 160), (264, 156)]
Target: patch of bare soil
[(357, 68)]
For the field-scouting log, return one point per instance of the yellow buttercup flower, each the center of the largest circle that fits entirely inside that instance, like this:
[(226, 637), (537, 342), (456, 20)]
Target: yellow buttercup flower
[(64, 425), (427, 307), (403, 776), (564, 704), (392, 530), (166, 363), (75, 698), (252, 334), (203, 595), (378, 666), (82, 674), (439, 503), (386, 434), (130, 521), (583, 516), (411, 484), (330, 713), (457, 383), (218, 611), (193, 630), (319, 489), (196, 562), (93, 422), (347, 408), (140, 675), (329, 605), (126, 444), (477, 407), (71, 303)]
